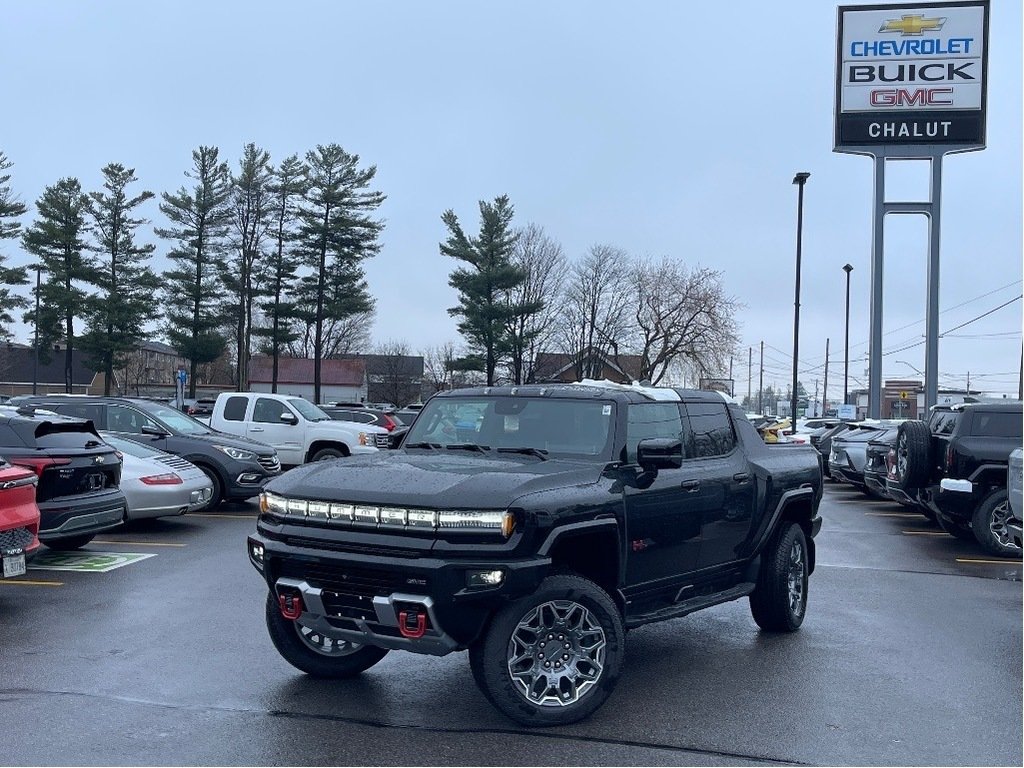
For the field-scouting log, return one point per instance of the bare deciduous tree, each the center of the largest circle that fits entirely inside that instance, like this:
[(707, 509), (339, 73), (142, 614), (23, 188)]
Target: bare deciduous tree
[(341, 336), (543, 265), (437, 365), (394, 379), (595, 316), (680, 314)]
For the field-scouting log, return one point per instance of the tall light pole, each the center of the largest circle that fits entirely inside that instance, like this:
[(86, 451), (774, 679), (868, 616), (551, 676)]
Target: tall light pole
[(847, 268), (35, 342), (800, 179)]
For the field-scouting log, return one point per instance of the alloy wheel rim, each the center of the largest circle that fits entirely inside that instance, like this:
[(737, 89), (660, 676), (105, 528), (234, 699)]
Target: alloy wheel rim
[(795, 579), (997, 524), (556, 653), (320, 643)]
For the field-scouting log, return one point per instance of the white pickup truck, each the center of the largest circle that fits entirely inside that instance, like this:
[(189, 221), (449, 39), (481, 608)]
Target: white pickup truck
[(298, 430)]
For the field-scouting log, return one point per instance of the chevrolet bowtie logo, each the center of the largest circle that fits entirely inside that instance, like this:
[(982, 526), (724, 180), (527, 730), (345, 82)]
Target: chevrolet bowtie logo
[(913, 25)]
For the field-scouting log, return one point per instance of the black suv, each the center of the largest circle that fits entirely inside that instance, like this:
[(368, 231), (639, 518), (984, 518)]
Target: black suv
[(533, 525), (237, 467), (78, 473), (955, 464)]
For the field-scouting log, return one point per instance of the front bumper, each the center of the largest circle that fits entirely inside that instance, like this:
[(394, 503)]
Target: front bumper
[(247, 478), (359, 597)]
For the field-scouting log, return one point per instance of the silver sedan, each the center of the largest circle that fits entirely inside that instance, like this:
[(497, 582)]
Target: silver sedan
[(158, 484)]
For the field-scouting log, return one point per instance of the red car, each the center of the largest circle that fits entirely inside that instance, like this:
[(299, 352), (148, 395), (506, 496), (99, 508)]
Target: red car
[(19, 518)]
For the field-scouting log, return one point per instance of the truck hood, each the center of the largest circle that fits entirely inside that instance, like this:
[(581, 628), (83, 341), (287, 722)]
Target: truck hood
[(451, 480)]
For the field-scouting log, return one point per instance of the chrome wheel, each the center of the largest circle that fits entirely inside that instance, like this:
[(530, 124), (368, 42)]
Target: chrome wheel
[(997, 524), (901, 456), (556, 653), (325, 646), (796, 579)]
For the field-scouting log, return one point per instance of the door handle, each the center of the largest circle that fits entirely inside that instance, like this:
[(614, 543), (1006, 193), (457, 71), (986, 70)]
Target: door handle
[(256, 429), (690, 485), (741, 477)]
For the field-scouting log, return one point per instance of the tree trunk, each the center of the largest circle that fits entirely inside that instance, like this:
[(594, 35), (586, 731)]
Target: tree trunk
[(319, 337)]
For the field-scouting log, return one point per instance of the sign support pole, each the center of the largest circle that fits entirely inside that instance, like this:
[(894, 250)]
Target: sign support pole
[(931, 355), (877, 253)]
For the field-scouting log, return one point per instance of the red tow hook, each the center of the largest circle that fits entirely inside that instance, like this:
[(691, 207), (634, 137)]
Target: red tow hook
[(412, 624), (290, 605)]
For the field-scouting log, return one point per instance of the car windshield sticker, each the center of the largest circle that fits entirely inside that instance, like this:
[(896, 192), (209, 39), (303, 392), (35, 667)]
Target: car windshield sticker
[(511, 423), (86, 562), (606, 410)]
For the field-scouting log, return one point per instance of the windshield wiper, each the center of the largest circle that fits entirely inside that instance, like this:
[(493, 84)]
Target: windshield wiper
[(468, 447), (540, 453), (431, 446)]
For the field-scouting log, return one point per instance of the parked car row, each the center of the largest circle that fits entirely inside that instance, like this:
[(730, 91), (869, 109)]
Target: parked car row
[(955, 468)]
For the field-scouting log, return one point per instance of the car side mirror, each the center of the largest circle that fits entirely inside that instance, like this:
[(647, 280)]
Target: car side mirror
[(149, 429), (289, 418), (659, 453)]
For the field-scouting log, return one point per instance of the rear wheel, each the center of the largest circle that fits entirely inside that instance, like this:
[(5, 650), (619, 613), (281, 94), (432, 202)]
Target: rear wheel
[(779, 601), (553, 657), (315, 653), (70, 542), (989, 525)]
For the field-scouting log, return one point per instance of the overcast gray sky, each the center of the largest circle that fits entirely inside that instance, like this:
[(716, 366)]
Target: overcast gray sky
[(664, 128)]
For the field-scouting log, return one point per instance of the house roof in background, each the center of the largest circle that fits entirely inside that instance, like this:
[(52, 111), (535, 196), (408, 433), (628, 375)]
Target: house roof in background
[(551, 364)]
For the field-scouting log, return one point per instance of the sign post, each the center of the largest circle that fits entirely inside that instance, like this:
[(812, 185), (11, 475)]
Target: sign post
[(911, 84), (179, 387)]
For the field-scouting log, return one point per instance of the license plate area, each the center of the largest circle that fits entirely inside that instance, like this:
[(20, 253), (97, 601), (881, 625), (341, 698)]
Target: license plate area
[(14, 565)]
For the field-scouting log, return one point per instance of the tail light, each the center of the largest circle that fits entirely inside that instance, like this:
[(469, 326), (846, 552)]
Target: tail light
[(191, 411), (167, 478), (38, 465), (389, 424)]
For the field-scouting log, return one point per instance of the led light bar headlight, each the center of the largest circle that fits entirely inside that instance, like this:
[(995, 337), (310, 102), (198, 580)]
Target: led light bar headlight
[(273, 504), (422, 518), (341, 513), (297, 507), (318, 509), (503, 522), (366, 516), (392, 516)]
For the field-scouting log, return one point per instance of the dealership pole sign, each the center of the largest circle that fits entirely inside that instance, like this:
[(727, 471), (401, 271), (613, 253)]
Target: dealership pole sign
[(911, 74), (910, 85)]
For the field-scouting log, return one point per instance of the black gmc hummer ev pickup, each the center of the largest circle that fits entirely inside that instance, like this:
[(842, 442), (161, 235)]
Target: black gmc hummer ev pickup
[(533, 526)]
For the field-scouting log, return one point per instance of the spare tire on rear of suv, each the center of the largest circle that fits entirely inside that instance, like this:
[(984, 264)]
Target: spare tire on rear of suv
[(913, 459)]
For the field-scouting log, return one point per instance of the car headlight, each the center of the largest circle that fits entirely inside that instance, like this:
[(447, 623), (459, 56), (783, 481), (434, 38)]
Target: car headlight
[(236, 453)]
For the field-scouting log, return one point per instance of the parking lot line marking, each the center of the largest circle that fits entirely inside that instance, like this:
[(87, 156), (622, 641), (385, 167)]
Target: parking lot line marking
[(1014, 563), (893, 514), (235, 517), (33, 583), (138, 543), (926, 533)]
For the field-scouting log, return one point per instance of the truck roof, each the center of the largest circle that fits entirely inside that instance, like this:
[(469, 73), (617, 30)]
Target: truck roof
[(608, 390)]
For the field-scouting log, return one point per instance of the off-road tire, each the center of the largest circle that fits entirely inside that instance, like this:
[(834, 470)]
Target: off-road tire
[(773, 603), (913, 451), (68, 543), (285, 636), (989, 525), (491, 655)]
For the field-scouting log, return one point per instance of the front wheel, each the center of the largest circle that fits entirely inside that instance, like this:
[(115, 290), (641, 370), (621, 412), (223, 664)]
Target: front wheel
[(989, 525), (553, 657), (779, 601), (325, 454), (314, 653)]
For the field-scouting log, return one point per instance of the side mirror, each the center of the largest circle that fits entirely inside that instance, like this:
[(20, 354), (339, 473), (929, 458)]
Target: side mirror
[(149, 429), (659, 453), (289, 418)]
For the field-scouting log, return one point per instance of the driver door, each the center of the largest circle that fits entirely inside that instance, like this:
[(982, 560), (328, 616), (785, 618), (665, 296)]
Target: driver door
[(266, 427)]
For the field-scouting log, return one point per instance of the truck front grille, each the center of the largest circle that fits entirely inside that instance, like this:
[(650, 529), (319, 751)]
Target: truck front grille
[(348, 592)]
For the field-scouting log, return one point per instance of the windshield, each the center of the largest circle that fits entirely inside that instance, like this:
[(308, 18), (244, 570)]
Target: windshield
[(130, 447), (177, 421), (557, 426), (309, 411)]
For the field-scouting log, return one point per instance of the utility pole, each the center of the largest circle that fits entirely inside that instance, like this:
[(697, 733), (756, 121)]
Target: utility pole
[(35, 337), (968, 382), (760, 382), (815, 395), (824, 390), (750, 363), (800, 179)]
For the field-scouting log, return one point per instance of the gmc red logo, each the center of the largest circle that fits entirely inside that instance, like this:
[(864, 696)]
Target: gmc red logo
[(905, 97)]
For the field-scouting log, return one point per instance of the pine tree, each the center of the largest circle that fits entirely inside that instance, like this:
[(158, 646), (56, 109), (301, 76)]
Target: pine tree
[(125, 304), (199, 218), (10, 210), (57, 239), (484, 287), (336, 234), (251, 202), (287, 188)]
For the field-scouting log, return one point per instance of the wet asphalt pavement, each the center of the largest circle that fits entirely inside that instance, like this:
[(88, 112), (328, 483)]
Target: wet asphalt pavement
[(910, 654)]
